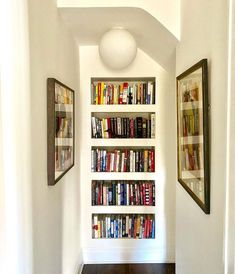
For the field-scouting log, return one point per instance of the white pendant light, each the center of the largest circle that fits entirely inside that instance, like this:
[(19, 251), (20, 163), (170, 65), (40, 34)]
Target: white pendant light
[(117, 48)]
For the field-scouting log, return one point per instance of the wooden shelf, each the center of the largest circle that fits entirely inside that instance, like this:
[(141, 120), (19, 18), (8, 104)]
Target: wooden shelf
[(123, 108), (123, 209), (123, 175), (123, 142)]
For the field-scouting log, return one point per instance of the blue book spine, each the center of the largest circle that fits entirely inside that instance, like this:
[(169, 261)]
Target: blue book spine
[(122, 194), (153, 229)]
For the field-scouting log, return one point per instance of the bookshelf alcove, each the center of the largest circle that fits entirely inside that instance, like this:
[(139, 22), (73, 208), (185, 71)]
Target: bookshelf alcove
[(123, 153)]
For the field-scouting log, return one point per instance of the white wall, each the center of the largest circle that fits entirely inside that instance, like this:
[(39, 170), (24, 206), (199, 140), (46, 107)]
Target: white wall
[(199, 237), (162, 248), (230, 205), (15, 166), (56, 209)]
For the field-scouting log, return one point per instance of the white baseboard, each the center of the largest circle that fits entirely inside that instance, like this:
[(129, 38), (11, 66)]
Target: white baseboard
[(127, 255), (80, 263)]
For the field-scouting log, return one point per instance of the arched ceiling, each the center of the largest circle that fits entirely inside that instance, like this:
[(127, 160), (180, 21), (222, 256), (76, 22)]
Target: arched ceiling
[(89, 24)]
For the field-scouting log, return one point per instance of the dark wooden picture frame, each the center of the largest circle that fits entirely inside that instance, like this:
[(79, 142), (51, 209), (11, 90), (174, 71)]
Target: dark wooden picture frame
[(60, 130), (193, 133)]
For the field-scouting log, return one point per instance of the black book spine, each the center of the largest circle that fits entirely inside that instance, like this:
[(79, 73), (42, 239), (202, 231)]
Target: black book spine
[(128, 128), (135, 128), (139, 127), (148, 128), (112, 128), (115, 128), (144, 93), (122, 128), (93, 192), (124, 226), (136, 161), (144, 128)]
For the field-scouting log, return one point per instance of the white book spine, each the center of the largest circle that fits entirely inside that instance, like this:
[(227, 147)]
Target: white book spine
[(112, 162), (119, 194), (152, 125), (127, 194)]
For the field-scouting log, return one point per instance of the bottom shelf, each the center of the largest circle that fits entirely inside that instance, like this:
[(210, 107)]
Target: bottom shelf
[(126, 226)]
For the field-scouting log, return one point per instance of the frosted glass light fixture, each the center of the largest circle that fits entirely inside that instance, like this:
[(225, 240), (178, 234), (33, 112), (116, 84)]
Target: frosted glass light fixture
[(117, 48)]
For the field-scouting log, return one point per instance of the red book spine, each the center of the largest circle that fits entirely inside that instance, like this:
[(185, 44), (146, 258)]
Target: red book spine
[(148, 227), (141, 194), (109, 127), (144, 197), (152, 161), (115, 161), (99, 194), (99, 93), (108, 161), (132, 135), (125, 92), (136, 195)]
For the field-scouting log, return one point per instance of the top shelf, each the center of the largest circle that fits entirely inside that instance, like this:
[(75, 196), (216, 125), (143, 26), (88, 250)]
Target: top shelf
[(118, 91)]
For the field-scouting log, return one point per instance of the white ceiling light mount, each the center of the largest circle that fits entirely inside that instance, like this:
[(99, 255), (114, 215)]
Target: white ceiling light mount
[(117, 48)]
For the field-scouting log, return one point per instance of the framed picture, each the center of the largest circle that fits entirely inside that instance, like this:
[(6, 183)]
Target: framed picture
[(60, 130), (193, 133)]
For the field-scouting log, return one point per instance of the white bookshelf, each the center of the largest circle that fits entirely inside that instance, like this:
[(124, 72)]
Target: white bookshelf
[(125, 110)]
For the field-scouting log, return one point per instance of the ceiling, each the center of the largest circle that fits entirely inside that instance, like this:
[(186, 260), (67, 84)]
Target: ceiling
[(89, 24)]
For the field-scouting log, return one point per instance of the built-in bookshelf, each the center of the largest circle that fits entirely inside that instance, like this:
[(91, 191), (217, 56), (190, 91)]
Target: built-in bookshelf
[(123, 151)]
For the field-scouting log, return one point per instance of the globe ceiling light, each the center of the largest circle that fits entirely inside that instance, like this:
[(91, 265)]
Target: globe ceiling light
[(117, 48)]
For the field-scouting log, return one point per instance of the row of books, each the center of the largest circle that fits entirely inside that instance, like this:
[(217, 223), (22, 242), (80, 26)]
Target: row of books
[(136, 226), (125, 160), (119, 127), (64, 127), (123, 193), (192, 157), (104, 93), (191, 122)]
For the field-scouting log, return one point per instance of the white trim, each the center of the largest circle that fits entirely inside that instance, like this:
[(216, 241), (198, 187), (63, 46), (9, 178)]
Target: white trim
[(227, 187), (128, 255)]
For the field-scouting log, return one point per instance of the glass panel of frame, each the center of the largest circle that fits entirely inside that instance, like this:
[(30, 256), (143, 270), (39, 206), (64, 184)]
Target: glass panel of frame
[(60, 130), (193, 148)]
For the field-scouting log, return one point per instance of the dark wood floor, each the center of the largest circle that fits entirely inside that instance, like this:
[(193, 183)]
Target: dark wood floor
[(128, 269)]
